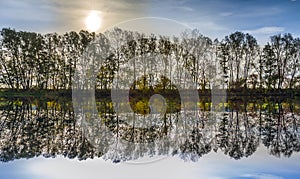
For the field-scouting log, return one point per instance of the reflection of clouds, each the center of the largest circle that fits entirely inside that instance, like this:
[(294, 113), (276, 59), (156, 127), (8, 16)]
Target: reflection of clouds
[(261, 176), (217, 165), (211, 166), (61, 168)]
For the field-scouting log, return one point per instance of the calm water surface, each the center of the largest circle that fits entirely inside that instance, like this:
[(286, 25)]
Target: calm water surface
[(41, 138)]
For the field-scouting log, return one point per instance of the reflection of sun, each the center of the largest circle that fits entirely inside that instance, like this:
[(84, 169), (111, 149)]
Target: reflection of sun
[(93, 21)]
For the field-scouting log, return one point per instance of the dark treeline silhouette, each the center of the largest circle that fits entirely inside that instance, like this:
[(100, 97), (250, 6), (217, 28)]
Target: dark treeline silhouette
[(31, 60), (31, 128)]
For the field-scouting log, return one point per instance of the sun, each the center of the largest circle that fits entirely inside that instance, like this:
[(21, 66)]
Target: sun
[(93, 21)]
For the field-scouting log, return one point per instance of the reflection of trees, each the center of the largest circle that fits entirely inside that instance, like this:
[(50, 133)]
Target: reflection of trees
[(195, 146), (281, 131), (240, 130), (235, 136), (49, 130), (33, 128)]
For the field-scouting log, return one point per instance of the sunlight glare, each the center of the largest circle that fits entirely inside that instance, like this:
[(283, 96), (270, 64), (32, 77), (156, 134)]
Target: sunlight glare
[(93, 21)]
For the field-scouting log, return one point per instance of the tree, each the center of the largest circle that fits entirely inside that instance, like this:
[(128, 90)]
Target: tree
[(200, 62), (238, 49), (223, 56), (251, 50), (11, 61), (285, 50), (294, 64), (269, 66)]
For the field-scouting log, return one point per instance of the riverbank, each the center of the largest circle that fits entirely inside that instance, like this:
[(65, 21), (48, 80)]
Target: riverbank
[(203, 94)]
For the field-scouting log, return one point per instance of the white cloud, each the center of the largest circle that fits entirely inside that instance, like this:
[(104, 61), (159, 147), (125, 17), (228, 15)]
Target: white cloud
[(261, 176), (265, 30)]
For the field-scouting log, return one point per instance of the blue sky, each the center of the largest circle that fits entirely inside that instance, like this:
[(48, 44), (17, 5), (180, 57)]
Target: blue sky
[(218, 18), (214, 18)]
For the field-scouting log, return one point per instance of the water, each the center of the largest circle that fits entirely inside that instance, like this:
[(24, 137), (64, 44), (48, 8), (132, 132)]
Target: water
[(246, 135)]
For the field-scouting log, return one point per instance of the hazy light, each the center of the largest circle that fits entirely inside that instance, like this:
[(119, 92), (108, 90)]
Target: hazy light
[(93, 21)]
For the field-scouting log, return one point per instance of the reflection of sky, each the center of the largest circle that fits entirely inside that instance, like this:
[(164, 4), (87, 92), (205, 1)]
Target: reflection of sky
[(211, 166)]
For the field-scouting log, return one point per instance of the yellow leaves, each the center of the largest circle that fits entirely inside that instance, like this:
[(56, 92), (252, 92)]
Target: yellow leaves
[(205, 106), (141, 107), (53, 104), (18, 103)]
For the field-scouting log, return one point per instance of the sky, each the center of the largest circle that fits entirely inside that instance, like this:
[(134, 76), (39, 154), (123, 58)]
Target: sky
[(214, 18)]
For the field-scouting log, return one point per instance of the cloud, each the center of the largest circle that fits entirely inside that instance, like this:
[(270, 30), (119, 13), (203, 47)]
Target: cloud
[(265, 30), (210, 28), (252, 12), (261, 176), (184, 8), (226, 14), (62, 15), (208, 25)]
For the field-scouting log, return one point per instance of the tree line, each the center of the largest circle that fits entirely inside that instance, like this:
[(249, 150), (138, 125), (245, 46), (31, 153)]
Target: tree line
[(30, 60)]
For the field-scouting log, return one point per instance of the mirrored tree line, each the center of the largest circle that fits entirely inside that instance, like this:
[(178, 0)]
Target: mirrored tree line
[(31, 128), (31, 60)]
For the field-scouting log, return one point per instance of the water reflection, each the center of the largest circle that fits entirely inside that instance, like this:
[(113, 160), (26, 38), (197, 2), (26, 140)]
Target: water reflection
[(31, 127)]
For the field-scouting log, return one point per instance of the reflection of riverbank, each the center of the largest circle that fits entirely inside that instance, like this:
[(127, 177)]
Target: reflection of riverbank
[(140, 104), (204, 94)]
